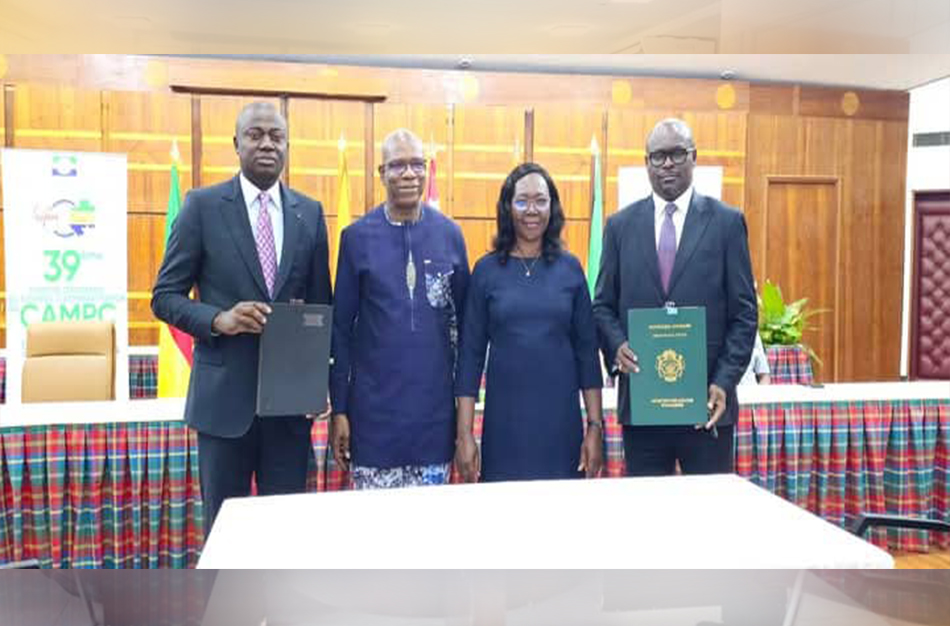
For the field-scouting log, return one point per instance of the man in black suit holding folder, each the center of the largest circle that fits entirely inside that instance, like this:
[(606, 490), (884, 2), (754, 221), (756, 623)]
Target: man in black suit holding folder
[(243, 243), (678, 247)]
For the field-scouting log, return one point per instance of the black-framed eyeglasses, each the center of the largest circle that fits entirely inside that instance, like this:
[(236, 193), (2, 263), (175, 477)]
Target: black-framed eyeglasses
[(418, 166), (678, 156)]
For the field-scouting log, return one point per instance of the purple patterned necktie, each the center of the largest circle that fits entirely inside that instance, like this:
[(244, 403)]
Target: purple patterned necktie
[(666, 249), (264, 238)]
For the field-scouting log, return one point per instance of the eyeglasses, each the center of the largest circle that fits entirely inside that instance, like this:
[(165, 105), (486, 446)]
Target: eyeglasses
[(678, 156), (541, 203), (418, 166)]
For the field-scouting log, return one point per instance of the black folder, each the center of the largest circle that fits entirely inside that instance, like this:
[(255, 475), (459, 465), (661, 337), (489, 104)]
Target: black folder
[(294, 365)]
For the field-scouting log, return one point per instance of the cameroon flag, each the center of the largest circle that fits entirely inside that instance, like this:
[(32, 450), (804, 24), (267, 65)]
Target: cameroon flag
[(174, 346)]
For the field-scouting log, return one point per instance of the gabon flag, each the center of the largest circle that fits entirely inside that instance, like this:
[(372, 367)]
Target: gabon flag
[(343, 214), (174, 346)]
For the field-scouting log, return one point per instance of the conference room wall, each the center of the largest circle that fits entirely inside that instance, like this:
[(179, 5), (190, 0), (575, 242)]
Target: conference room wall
[(802, 139), (753, 131)]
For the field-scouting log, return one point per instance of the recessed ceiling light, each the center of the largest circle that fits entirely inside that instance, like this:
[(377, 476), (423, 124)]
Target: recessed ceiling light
[(569, 30)]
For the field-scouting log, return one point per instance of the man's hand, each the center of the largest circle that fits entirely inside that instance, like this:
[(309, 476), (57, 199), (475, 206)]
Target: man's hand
[(626, 359), (340, 440), (243, 317), (322, 416), (466, 458), (716, 405)]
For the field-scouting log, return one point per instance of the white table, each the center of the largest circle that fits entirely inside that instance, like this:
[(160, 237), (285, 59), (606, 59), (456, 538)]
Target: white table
[(99, 412), (528, 598), (680, 522)]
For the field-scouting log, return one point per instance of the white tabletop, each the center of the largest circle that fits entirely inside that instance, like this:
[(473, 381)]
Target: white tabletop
[(172, 409), (71, 413), (690, 522), (527, 598)]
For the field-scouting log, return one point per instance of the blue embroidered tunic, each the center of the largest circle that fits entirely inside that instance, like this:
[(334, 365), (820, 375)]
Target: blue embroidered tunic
[(398, 302)]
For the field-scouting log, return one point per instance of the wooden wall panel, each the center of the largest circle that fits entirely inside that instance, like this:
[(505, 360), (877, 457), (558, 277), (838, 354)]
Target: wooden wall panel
[(3, 299), (58, 118), (868, 104), (218, 116), (866, 153), (576, 237), (144, 127), (479, 234), (766, 133), (872, 254), (146, 233), (562, 138), (3, 279), (488, 143), (889, 276), (316, 127), (3, 136), (802, 217)]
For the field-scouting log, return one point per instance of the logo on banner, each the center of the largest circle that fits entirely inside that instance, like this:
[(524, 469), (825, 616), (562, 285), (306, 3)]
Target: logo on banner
[(64, 218), (65, 165)]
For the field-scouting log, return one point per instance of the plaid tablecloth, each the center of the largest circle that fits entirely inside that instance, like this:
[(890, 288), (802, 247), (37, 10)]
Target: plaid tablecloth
[(127, 495), (839, 459), (789, 365)]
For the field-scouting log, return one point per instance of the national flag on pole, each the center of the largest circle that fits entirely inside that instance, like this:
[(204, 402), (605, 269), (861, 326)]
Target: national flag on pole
[(432, 191), (343, 216), (174, 345), (596, 219)]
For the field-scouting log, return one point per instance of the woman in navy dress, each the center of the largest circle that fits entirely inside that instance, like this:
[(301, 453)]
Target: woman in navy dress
[(529, 304)]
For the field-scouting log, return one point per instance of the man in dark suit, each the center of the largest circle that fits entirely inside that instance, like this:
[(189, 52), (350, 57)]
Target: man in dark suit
[(679, 247), (243, 243)]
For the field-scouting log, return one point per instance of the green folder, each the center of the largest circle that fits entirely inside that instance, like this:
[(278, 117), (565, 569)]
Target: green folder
[(670, 389)]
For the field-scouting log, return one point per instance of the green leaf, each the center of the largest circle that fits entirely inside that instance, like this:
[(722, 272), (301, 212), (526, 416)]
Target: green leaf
[(773, 307), (781, 323)]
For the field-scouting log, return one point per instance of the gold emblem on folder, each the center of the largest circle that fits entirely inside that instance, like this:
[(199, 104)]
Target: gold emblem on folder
[(670, 366)]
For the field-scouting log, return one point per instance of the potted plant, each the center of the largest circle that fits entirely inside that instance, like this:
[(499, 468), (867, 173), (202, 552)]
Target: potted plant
[(782, 324)]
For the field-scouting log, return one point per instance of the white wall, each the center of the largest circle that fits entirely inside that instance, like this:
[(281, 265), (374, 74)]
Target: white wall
[(927, 169)]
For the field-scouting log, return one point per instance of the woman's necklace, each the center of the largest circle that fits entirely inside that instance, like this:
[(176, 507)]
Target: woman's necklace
[(527, 268)]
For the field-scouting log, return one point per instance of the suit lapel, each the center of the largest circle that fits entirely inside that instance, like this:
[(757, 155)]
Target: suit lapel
[(291, 233), (697, 219), (234, 214), (645, 236)]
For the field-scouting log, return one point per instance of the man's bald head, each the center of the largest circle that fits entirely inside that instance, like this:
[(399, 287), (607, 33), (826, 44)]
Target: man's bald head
[(671, 158), (403, 170), (260, 140), (253, 109), (671, 127), (398, 138)]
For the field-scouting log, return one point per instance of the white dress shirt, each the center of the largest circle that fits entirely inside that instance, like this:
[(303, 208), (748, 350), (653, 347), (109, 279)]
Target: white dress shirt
[(679, 216), (758, 364), (274, 209)]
